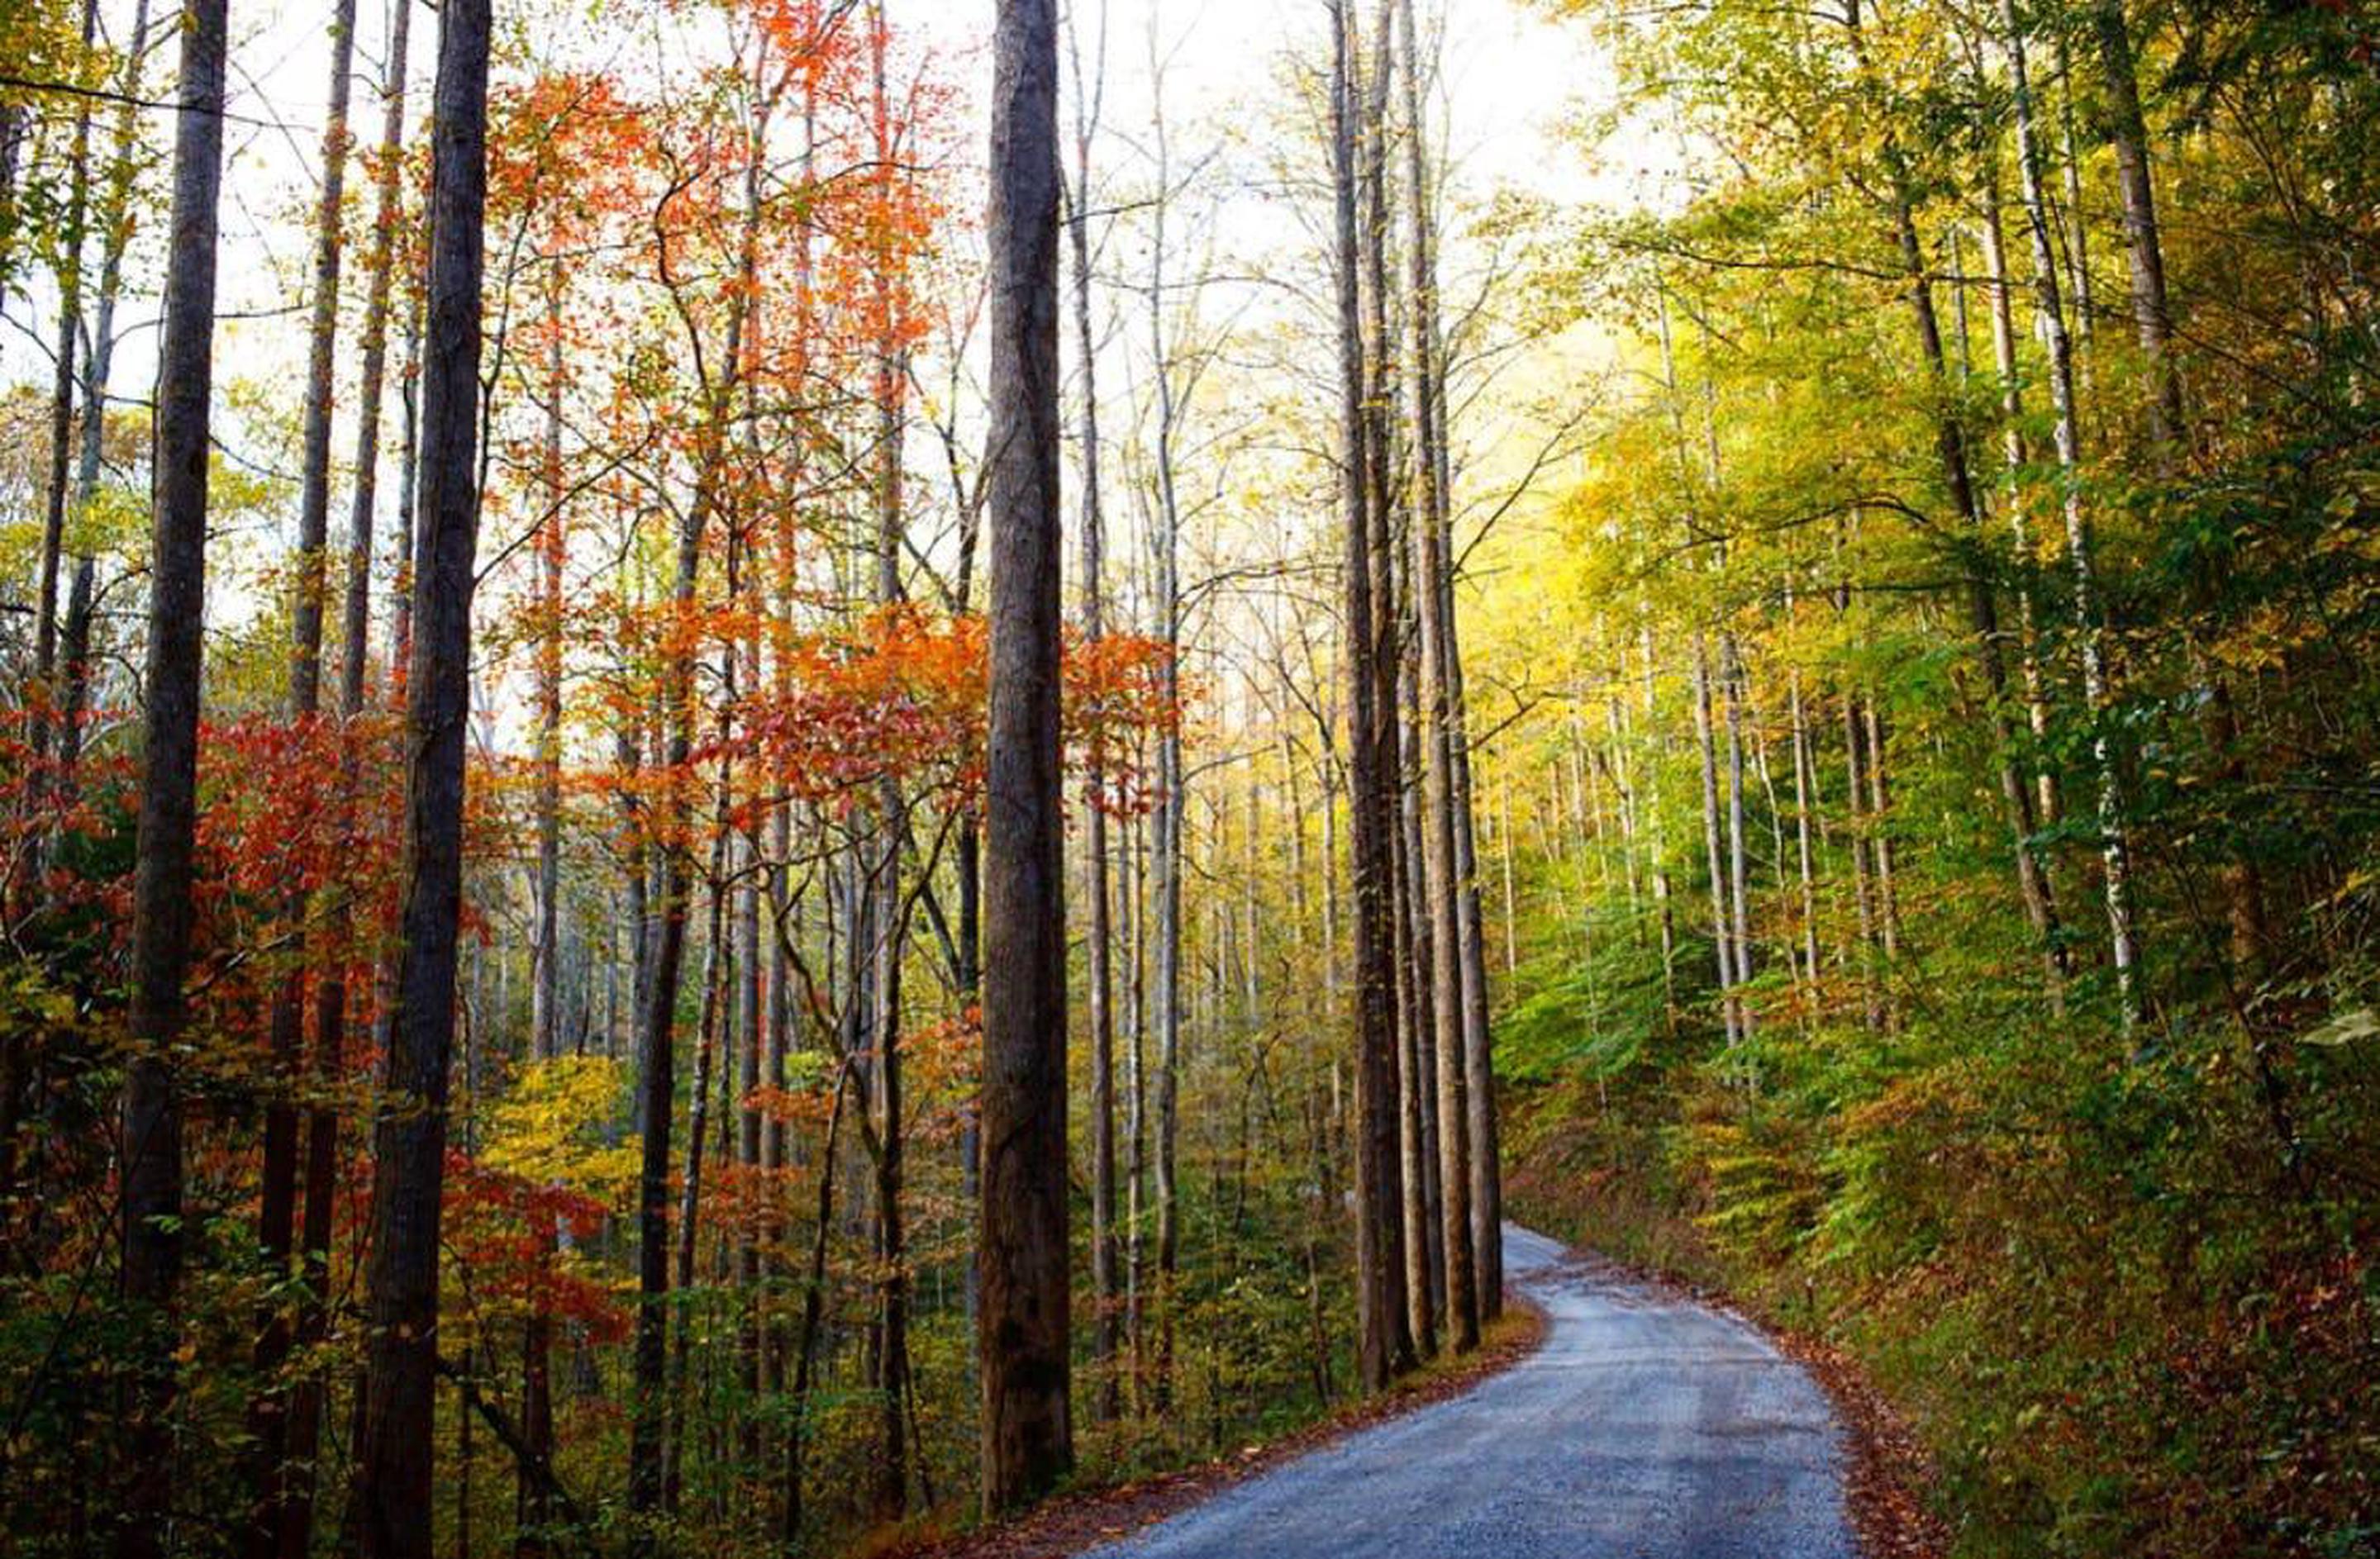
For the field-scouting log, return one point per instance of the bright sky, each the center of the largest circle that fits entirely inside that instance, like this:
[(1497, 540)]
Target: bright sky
[(1509, 81)]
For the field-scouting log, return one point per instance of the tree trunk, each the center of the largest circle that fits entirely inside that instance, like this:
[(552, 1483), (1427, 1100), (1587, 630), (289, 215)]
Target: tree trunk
[(302, 1437), (545, 974), (2128, 133), (1383, 1350), (1024, 1329), (2241, 876), (534, 1506), (1738, 866), (1855, 794), (1805, 800), (1663, 901), (648, 1436), (2045, 808), (73, 636), (697, 1134), (392, 1470), (150, 1172), (408, 467), (1713, 849), (1165, 545), (2115, 844), (1099, 935), (268, 1413), (1392, 592), (889, 1337), (649, 1452), (813, 1315), (62, 406), (2078, 222)]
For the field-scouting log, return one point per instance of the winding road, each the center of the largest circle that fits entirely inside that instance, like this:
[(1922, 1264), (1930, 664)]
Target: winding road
[(1644, 1427)]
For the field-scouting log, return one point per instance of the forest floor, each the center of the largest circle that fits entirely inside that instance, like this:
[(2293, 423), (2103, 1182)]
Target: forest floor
[(1640, 1421)]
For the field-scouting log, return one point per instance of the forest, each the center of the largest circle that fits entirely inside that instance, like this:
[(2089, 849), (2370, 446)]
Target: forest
[(778, 773)]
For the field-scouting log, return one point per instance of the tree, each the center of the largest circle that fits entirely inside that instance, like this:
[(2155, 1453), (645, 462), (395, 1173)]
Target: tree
[(1434, 599), (1384, 1346), (278, 1209), (1024, 1336), (62, 402), (393, 1449), (114, 227), (2114, 843), (1106, 1292), (161, 908)]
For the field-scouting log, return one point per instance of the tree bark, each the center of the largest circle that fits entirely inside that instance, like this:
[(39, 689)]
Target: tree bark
[(276, 1218), (1383, 1347), (393, 1465), (1712, 850), (2114, 839), (1099, 934), (62, 407), (150, 1172), (114, 220), (2046, 807), (1023, 1326), (2127, 135), (1166, 860), (889, 1333), (1738, 866), (302, 1437), (545, 973)]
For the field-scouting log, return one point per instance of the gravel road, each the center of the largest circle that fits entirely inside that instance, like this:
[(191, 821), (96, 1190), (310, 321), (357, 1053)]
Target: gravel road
[(1644, 1428)]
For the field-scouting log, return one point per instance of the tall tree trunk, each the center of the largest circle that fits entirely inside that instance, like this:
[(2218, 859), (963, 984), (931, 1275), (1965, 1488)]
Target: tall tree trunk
[(697, 1134), (150, 1167), (2046, 807), (1383, 1349), (268, 1414), (1805, 802), (16, 129), (1713, 849), (1738, 866), (1099, 935), (657, 1024), (1880, 783), (1443, 891), (1855, 794), (889, 1336), (393, 1449), (1663, 901), (1165, 545), (1024, 1329), (813, 1315), (115, 230), (1133, 896), (753, 1228), (2241, 876), (2128, 133), (545, 974), (408, 469), (302, 1436), (1486, 1154), (649, 1450), (2078, 220), (533, 1506), (2114, 840), (1392, 586), (62, 409)]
